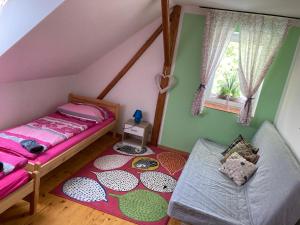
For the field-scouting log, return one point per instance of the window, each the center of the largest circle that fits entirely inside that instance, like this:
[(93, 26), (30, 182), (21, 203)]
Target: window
[(224, 89)]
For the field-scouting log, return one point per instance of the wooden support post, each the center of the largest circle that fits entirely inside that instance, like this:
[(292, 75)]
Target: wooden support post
[(166, 33), (175, 19), (174, 23), (132, 61)]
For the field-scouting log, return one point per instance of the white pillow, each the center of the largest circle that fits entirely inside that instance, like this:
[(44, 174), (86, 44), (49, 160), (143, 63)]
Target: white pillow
[(238, 169)]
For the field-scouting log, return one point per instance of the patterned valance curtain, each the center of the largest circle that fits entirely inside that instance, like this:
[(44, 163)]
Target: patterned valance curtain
[(260, 38), (218, 30)]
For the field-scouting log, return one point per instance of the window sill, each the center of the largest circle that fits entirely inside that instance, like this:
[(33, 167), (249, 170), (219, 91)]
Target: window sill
[(222, 107)]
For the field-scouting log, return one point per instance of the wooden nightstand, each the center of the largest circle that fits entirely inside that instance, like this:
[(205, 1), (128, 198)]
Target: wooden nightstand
[(136, 134)]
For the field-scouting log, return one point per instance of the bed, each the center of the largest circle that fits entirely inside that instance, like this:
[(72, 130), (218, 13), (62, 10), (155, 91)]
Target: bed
[(55, 156), (17, 183)]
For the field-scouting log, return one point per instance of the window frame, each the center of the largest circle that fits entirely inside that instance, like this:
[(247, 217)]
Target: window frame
[(214, 102)]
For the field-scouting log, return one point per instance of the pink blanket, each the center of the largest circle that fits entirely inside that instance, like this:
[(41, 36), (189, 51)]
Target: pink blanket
[(11, 163), (47, 131), (12, 182), (62, 147)]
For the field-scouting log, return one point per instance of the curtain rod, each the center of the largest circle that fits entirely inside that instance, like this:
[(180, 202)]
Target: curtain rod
[(265, 14)]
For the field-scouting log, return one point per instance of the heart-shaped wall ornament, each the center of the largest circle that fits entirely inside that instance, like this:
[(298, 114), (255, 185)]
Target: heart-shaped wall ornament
[(159, 77)]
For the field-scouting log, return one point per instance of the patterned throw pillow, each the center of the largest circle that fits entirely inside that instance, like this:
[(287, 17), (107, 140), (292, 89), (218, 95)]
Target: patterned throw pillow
[(234, 143), (238, 169), (243, 148), (248, 154)]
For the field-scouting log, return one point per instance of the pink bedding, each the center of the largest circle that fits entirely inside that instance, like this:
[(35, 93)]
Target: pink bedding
[(14, 163), (58, 149), (47, 131), (13, 181)]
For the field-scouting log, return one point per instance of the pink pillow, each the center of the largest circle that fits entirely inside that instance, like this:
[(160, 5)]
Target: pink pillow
[(84, 112)]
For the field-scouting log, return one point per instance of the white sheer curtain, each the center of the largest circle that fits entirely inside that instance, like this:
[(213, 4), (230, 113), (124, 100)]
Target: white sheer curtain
[(2, 3), (218, 29), (260, 38)]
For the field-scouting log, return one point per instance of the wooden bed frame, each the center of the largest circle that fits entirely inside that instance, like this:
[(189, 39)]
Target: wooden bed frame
[(43, 169), (28, 192)]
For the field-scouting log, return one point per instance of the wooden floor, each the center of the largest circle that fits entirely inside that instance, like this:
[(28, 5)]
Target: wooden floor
[(53, 210)]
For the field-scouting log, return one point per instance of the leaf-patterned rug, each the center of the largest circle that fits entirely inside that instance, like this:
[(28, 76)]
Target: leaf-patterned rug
[(132, 185)]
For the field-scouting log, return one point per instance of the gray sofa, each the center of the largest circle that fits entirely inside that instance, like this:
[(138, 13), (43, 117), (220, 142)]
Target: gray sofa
[(204, 196)]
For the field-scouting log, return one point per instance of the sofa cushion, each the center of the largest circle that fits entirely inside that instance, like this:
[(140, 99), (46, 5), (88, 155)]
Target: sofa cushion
[(238, 169), (246, 150), (238, 140)]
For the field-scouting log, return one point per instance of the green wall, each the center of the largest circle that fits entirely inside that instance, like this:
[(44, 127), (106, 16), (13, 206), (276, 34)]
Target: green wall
[(181, 129)]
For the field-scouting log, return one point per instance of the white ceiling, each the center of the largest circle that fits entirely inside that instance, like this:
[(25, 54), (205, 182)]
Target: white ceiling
[(277, 7), (17, 18), (75, 35)]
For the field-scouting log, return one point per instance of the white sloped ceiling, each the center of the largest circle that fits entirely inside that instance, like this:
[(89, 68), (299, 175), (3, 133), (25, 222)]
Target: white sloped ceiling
[(74, 36), (18, 17), (79, 32)]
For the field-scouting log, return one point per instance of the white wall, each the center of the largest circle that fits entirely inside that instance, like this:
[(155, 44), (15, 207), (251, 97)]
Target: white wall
[(288, 120), (24, 101), (137, 89), (18, 17)]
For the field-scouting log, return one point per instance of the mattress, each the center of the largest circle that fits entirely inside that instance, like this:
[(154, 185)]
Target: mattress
[(62, 147), (13, 181), (210, 197)]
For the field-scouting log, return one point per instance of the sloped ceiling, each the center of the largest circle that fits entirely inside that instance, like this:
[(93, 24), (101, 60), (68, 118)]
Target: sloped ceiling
[(277, 7), (79, 32), (75, 35), (17, 18)]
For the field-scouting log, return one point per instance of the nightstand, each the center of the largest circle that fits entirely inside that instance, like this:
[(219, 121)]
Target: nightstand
[(136, 134)]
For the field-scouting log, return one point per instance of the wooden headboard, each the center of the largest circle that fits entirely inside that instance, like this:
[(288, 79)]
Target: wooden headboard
[(106, 104)]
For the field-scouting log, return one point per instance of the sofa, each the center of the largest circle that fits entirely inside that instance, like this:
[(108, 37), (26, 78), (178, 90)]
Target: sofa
[(205, 196)]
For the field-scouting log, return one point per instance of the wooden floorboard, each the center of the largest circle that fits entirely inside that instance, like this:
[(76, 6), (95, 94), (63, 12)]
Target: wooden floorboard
[(53, 210)]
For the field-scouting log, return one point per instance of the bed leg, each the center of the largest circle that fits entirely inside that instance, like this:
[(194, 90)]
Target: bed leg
[(35, 195)]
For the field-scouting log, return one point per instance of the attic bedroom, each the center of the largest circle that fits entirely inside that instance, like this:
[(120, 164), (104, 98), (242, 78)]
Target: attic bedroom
[(149, 112)]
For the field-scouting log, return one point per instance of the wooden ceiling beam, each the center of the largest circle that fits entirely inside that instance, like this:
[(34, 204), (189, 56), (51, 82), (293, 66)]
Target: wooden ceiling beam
[(132, 61)]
